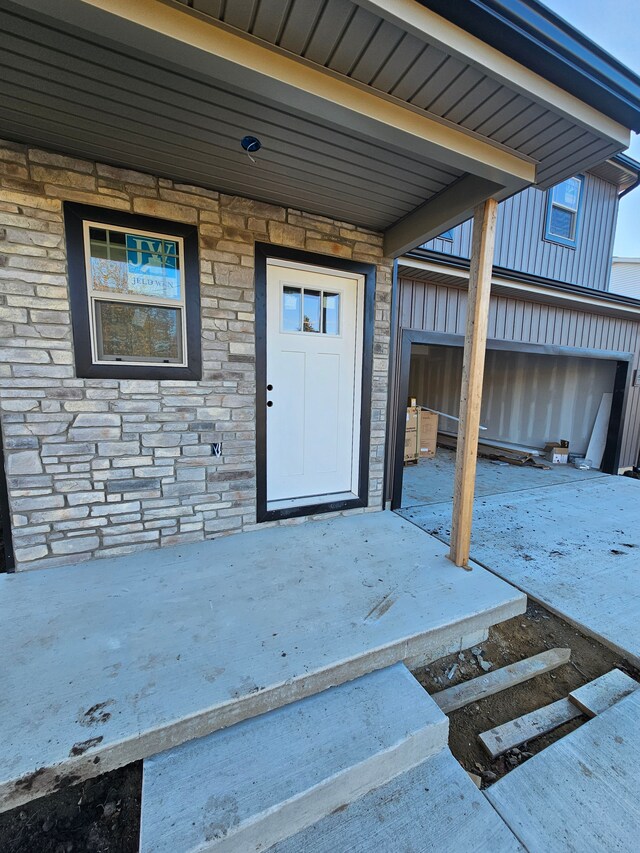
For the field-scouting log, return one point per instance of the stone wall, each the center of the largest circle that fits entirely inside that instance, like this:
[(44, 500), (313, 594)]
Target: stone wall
[(108, 467)]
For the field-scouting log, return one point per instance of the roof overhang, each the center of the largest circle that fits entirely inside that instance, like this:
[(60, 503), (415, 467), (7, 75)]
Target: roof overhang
[(619, 170), (158, 86), (455, 273), (533, 35)]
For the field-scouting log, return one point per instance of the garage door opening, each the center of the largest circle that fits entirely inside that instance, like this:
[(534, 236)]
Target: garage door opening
[(532, 396)]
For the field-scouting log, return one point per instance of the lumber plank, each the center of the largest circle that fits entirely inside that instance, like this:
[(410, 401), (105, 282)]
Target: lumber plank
[(475, 344), (601, 693), (503, 738), (500, 679)]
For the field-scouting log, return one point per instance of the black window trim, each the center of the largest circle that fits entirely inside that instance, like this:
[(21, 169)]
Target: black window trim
[(74, 216)]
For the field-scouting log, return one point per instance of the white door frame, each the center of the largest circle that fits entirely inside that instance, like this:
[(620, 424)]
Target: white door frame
[(365, 276)]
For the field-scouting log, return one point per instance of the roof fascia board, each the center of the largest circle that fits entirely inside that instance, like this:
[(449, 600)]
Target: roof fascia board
[(445, 210), (566, 293), (178, 35), (435, 29)]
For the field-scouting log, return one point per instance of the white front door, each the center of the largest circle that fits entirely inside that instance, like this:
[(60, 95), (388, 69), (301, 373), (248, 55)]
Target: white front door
[(314, 376)]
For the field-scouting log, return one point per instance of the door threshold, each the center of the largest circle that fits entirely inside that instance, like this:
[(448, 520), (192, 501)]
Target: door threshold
[(310, 500)]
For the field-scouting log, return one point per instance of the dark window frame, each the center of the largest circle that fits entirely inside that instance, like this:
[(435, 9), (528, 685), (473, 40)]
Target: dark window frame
[(74, 217), (569, 243)]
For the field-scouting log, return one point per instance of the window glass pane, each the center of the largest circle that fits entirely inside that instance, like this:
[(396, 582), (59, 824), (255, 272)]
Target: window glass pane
[(562, 223), (138, 332), (291, 309), (331, 313), (568, 193), (134, 264), (446, 235), (152, 266), (311, 311)]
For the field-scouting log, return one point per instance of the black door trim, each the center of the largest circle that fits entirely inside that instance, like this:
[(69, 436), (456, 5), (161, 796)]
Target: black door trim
[(622, 379), (263, 252), (5, 517)]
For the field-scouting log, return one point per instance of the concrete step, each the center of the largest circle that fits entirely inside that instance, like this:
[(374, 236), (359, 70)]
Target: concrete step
[(250, 786), (581, 792), (433, 808)]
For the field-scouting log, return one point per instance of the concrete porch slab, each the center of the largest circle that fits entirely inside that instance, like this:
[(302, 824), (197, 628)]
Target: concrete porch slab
[(115, 660), (573, 547)]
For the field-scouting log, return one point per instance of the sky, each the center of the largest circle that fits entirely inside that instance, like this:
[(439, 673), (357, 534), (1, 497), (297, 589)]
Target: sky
[(613, 24)]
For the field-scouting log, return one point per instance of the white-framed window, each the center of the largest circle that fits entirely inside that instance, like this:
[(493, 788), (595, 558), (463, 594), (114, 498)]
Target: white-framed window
[(136, 295), (563, 212), (134, 289)]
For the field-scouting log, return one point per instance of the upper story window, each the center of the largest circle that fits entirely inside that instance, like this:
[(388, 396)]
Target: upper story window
[(563, 212), (134, 295)]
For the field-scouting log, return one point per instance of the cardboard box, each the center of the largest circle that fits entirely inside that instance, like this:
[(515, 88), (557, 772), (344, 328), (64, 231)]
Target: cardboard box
[(428, 434), (411, 452), (557, 452)]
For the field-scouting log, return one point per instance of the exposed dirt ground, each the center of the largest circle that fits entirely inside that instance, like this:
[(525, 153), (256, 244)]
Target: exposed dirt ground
[(101, 815), (535, 631)]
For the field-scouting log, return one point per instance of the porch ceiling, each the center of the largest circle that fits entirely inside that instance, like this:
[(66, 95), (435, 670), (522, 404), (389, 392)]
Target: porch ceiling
[(383, 45), (360, 119)]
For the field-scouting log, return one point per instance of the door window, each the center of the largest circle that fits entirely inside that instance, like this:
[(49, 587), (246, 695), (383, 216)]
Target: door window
[(313, 311)]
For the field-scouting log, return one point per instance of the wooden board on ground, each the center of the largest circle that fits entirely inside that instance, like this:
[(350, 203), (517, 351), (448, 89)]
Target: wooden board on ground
[(503, 738), (598, 695), (510, 455), (493, 682)]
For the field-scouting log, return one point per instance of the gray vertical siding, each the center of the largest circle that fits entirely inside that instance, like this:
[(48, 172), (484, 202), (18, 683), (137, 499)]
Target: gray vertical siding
[(430, 307), (520, 243)]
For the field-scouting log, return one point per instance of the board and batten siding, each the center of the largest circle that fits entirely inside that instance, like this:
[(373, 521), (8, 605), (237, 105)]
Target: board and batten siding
[(425, 306), (625, 277), (520, 243)]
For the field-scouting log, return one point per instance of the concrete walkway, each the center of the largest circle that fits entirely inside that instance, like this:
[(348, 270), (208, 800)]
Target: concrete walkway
[(581, 793), (574, 547), (115, 660)]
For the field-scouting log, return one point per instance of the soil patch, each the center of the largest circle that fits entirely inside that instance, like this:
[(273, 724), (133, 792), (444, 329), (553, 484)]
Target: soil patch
[(101, 815), (535, 631)]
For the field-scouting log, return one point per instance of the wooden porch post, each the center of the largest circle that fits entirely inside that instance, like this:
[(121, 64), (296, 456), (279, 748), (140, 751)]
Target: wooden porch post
[(475, 341)]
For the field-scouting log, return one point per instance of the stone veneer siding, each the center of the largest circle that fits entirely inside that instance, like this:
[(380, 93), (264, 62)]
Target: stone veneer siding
[(104, 467)]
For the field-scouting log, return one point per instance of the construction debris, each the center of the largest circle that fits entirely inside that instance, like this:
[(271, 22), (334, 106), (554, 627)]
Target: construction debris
[(590, 699), (498, 453), (485, 685)]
